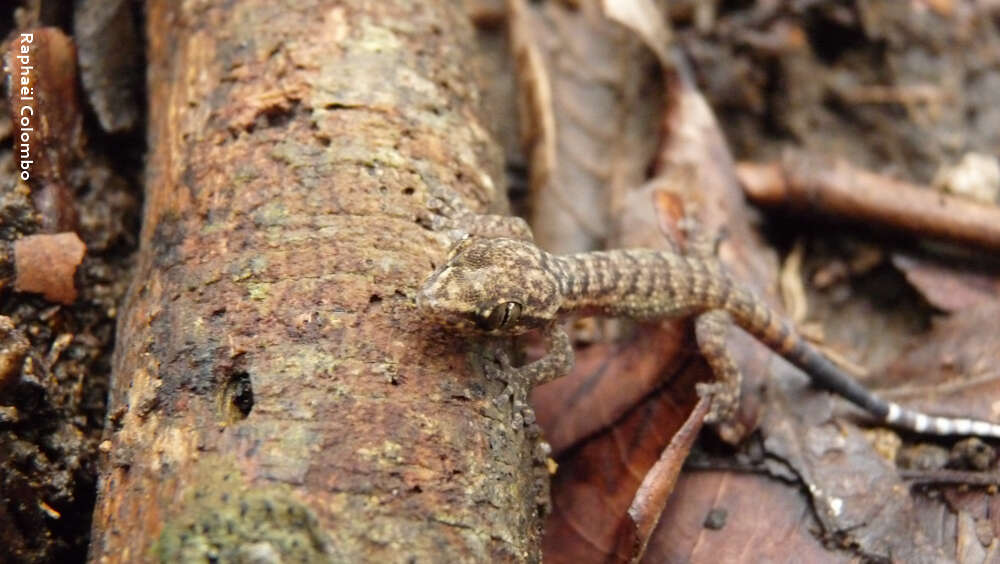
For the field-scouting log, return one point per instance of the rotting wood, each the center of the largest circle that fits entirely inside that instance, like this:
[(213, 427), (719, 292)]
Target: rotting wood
[(276, 393), (46, 263)]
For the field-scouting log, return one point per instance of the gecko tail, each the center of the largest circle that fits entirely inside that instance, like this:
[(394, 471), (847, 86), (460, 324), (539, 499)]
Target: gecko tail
[(827, 375), (918, 422)]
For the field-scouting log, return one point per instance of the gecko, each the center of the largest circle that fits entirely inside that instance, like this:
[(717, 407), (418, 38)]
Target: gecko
[(506, 287)]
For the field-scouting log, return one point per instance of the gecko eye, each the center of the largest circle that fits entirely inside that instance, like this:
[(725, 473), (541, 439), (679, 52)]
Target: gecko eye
[(500, 317)]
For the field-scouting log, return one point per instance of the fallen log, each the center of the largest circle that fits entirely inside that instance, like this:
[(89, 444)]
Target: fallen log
[(276, 393)]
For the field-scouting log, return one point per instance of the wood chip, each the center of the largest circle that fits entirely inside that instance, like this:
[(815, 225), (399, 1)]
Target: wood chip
[(47, 263)]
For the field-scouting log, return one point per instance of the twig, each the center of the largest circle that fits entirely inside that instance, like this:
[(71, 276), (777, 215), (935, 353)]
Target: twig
[(951, 477), (834, 187)]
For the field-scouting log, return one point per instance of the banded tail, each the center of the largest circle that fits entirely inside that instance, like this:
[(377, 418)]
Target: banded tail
[(771, 330), (827, 375), (645, 284)]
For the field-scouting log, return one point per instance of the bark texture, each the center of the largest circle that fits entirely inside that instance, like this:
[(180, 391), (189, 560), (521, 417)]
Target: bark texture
[(276, 393)]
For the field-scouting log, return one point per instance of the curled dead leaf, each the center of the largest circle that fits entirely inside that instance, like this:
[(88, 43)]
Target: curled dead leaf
[(949, 287), (604, 504), (46, 264), (651, 498), (109, 53), (644, 18), (607, 381)]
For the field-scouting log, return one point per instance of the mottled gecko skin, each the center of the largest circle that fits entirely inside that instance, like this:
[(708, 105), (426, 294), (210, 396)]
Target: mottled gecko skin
[(505, 286)]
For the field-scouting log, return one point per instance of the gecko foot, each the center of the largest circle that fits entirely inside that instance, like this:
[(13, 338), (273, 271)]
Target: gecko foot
[(524, 418), (492, 362), (496, 365), (723, 402), (504, 397), (500, 370), (517, 421)]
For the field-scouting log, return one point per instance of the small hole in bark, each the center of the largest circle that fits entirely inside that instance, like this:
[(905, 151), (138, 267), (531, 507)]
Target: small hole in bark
[(408, 191), (237, 398), (278, 117), (374, 299)]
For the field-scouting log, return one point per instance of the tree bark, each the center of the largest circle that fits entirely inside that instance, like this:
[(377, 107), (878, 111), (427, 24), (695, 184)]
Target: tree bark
[(276, 393)]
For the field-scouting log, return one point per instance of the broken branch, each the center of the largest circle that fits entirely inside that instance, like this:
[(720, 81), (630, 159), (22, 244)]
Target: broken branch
[(834, 187)]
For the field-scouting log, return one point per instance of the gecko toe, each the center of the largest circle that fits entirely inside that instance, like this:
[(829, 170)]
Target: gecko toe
[(723, 405)]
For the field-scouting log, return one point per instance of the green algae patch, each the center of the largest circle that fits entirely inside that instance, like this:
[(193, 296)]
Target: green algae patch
[(224, 520)]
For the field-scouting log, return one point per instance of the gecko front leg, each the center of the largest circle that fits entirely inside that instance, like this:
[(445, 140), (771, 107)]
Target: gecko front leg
[(519, 380), (558, 361), (454, 216)]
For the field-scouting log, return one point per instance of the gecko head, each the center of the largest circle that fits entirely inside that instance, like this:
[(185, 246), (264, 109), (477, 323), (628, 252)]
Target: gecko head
[(495, 286)]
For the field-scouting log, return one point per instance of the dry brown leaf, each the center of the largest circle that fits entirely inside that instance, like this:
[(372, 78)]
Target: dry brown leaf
[(765, 521), (946, 288), (597, 481), (607, 380), (587, 120), (858, 497), (46, 264), (110, 55), (646, 20), (592, 136), (953, 369), (980, 511), (654, 491), (670, 212)]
